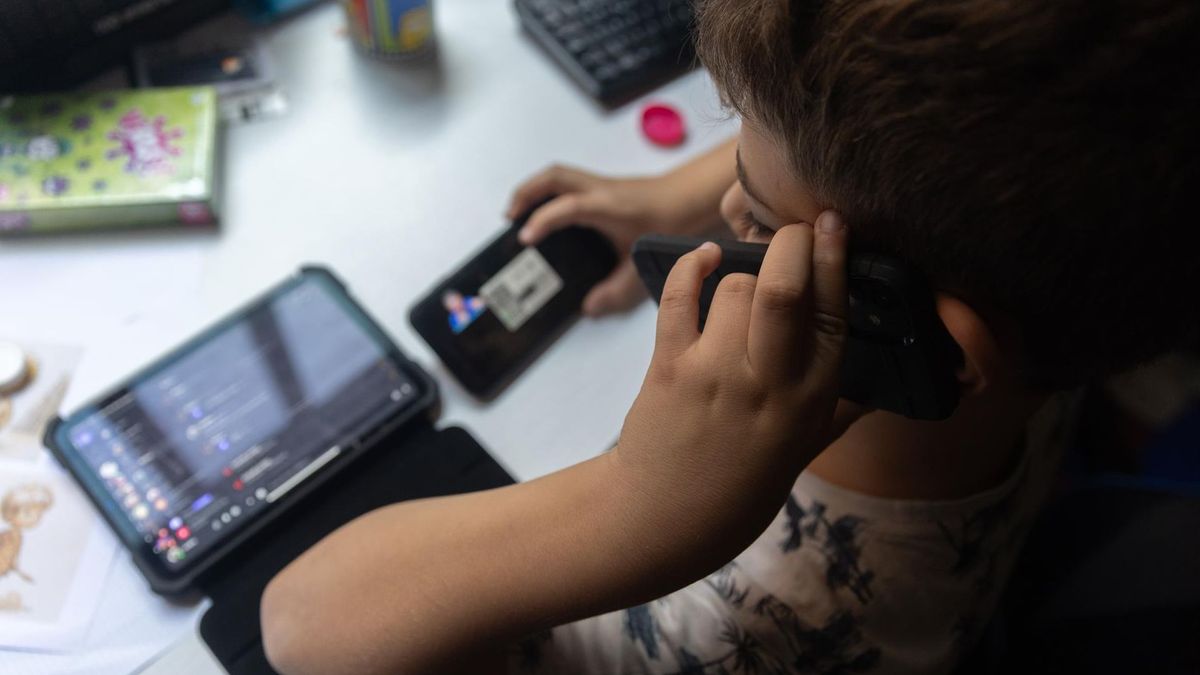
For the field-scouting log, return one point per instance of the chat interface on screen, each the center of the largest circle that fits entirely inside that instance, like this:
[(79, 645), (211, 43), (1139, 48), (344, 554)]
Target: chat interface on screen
[(191, 452)]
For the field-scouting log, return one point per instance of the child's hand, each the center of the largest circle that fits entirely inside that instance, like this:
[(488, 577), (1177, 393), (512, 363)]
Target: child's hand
[(622, 209), (684, 201), (726, 419), (723, 424)]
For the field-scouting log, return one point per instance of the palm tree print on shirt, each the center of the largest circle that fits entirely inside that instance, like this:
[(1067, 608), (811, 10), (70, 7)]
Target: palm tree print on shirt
[(640, 626), (838, 541), (723, 583), (833, 649)]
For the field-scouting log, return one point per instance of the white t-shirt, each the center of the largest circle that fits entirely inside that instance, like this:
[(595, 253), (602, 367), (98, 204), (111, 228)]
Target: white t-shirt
[(839, 583)]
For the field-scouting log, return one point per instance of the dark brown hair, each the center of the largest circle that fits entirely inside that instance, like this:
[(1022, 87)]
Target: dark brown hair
[(1037, 158)]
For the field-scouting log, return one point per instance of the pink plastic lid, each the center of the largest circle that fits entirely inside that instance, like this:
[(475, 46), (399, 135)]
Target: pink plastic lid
[(663, 124)]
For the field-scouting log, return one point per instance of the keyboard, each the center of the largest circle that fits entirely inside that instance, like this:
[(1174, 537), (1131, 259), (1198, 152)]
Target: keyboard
[(614, 49)]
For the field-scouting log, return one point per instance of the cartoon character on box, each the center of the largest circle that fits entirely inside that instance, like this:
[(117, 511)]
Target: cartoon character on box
[(43, 149), (147, 145)]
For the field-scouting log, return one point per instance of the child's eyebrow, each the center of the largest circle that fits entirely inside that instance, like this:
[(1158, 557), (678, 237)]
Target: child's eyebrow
[(745, 181)]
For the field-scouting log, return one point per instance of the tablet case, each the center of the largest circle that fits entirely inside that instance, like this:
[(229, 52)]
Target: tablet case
[(415, 462), (405, 459)]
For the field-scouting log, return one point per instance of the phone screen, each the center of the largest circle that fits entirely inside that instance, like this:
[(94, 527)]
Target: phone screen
[(493, 316)]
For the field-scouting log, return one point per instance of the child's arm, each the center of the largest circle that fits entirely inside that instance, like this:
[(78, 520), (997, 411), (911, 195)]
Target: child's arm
[(723, 424)]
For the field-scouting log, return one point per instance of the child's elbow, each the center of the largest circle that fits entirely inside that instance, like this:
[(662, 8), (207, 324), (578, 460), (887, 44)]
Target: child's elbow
[(307, 630), (284, 630)]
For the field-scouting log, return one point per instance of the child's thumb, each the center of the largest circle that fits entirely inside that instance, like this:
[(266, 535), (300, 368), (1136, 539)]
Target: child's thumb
[(621, 291)]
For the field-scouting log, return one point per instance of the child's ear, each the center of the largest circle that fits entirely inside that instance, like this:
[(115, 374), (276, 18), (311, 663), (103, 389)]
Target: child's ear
[(983, 361)]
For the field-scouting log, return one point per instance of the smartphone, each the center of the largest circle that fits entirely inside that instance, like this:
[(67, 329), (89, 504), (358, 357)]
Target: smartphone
[(899, 356), (493, 316), (191, 457)]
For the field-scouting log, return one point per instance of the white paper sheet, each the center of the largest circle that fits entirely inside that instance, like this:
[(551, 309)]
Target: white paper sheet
[(54, 556), (31, 408)]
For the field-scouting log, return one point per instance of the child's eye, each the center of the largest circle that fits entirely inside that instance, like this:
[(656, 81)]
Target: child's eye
[(753, 228)]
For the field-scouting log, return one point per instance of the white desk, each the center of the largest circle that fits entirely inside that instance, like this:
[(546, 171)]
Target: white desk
[(391, 175)]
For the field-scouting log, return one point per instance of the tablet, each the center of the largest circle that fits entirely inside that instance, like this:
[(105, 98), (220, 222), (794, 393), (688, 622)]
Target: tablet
[(188, 458)]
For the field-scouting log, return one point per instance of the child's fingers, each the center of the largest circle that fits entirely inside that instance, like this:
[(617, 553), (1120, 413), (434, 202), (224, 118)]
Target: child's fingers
[(620, 291), (573, 208), (679, 307), (729, 316), (552, 181), (829, 282), (777, 318)]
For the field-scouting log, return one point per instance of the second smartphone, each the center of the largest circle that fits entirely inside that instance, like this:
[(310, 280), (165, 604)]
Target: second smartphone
[(490, 319)]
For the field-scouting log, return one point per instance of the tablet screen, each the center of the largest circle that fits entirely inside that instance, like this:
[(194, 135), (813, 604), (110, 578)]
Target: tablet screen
[(192, 449)]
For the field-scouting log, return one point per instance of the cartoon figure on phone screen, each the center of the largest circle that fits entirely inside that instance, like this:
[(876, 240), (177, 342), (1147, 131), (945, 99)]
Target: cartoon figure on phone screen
[(462, 310)]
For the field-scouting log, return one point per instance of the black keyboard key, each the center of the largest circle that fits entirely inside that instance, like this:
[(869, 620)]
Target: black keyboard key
[(607, 73), (630, 62)]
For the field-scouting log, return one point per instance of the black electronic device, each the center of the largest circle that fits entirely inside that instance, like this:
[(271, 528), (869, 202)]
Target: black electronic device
[(899, 356), (49, 45), (491, 318), (614, 49), (191, 457), (415, 462)]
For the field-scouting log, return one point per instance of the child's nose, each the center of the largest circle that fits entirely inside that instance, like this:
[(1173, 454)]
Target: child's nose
[(733, 205)]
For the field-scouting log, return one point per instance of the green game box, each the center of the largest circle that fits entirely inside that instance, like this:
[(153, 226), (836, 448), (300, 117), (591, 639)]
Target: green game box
[(103, 160)]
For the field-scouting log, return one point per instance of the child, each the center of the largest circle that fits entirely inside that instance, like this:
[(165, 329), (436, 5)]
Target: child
[(1036, 161)]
